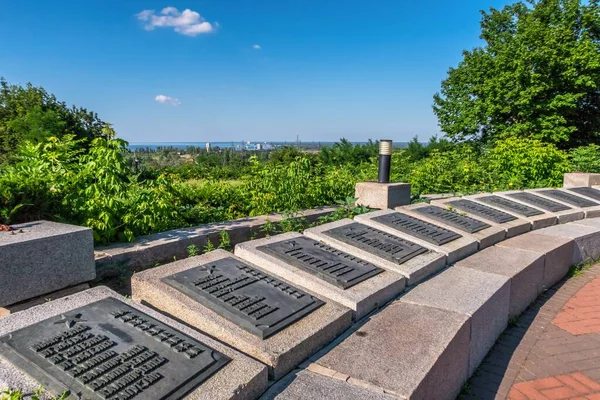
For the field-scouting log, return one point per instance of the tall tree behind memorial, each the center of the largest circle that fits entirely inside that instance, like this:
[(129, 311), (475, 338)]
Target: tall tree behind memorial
[(537, 75)]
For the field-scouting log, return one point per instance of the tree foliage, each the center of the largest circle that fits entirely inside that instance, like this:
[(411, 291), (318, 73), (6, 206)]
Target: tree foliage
[(29, 113), (536, 76)]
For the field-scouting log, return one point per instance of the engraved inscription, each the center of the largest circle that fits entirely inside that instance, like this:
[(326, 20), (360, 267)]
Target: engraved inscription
[(538, 201), (109, 350), (483, 211), (588, 192), (418, 228), (510, 205), (325, 262), (462, 222), (569, 198), (377, 242), (256, 301)]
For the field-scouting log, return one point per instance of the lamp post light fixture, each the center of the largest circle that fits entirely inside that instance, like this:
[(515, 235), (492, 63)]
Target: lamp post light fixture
[(385, 158)]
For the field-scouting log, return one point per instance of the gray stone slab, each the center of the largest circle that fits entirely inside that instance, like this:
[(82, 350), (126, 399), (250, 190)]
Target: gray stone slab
[(537, 221), (586, 238), (414, 270), (282, 351), (486, 237), (558, 253), (362, 298), (524, 268), (515, 227), (570, 215), (589, 212), (455, 250), (42, 257), (241, 378), (382, 195), (410, 351), (480, 295), (578, 179), (307, 385)]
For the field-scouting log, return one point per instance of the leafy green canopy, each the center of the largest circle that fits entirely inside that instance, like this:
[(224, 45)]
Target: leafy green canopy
[(537, 76), (31, 114)]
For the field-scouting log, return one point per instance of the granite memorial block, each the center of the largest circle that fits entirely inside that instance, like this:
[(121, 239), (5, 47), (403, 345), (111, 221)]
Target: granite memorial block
[(430, 235), (383, 249), (43, 257), (324, 270), (244, 306), (474, 228), (95, 345), (536, 217), (589, 207), (590, 193), (569, 198), (512, 225), (561, 211)]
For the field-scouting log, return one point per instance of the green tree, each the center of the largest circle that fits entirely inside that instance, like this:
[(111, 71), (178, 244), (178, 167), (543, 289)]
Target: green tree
[(537, 76), (29, 113)]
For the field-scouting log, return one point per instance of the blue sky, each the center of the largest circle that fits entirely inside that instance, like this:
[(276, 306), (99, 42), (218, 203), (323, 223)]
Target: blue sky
[(243, 69)]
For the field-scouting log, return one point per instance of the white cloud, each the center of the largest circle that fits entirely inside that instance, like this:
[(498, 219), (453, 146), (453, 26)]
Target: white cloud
[(172, 101), (186, 22), (256, 47)]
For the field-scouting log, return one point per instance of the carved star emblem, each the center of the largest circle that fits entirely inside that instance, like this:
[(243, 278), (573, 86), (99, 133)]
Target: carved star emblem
[(70, 320), (292, 243), (211, 269)]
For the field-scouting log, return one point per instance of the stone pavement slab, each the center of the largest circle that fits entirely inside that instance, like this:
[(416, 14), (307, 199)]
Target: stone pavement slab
[(282, 351), (586, 238), (524, 268), (486, 237), (558, 253), (42, 257), (480, 295), (539, 221), (533, 199), (414, 269), (362, 298), (455, 250), (408, 350), (241, 378), (589, 211), (307, 385), (516, 226)]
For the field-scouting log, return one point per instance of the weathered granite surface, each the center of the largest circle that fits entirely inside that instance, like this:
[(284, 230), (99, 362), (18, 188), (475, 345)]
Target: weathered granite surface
[(586, 238), (414, 270), (515, 227), (480, 295), (281, 352), (455, 250), (382, 195), (242, 378), (307, 385), (558, 253), (524, 268), (573, 214), (36, 301), (589, 212), (537, 221), (410, 351), (362, 298), (578, 179), (486, 237), (42, 257)]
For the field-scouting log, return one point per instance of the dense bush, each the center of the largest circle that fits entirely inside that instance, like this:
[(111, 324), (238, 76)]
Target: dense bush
[(586, 158)]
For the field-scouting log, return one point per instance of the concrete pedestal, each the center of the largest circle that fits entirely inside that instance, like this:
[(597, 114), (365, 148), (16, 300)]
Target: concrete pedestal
[(382, 195), (580, 179)]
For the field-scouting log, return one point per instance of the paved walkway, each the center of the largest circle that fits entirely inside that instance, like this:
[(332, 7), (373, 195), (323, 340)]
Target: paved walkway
[(552, 352)]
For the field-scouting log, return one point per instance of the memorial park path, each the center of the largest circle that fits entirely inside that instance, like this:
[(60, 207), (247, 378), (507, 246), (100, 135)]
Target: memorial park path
[(552, 352)]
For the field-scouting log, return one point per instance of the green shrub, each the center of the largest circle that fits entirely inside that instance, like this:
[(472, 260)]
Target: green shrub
[(585, 159)]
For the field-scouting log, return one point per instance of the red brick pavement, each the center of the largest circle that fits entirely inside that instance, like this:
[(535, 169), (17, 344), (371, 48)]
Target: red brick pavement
[(552, 352)]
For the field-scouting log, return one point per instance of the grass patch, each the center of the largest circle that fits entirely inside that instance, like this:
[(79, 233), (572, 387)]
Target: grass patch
[(578, 269)]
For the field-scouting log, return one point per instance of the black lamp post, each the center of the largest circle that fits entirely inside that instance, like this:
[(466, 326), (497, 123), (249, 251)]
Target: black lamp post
[(385, 158)]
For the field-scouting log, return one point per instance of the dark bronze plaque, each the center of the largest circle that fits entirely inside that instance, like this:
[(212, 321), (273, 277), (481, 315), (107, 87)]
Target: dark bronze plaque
[(382, 244), (462, 222), (569, 198), (489, 213), (510, 205), (588, 192), (109, 350), (540, 202), (327, 263), (418, 228), (257, 302)]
